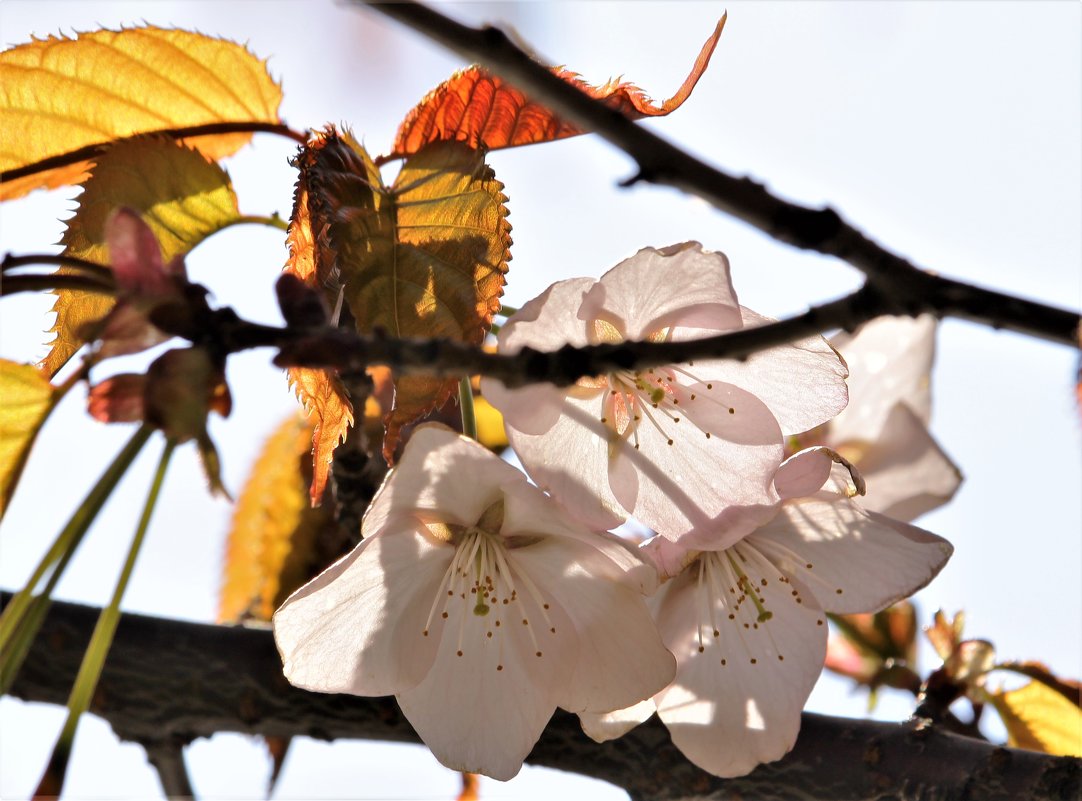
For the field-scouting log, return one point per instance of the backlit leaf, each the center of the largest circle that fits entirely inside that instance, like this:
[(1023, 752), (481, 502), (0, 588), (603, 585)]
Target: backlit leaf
[(60, 94), (27, 400), (320, 392), (478, 108), (182, 197), (272, 542), (425, 257), (1040, 719)]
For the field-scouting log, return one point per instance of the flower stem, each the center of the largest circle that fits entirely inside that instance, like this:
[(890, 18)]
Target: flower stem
[(52, 782), (68, 540), (274, 221), (465, 402)]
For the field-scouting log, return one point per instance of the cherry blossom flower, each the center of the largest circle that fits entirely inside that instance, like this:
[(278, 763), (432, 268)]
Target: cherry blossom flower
[(682, 448), (884, 429), (478, 603), (747, 623)]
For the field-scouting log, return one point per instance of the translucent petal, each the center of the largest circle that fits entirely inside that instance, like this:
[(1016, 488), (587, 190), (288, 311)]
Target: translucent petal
[(441, 472), (620, 659), (356, 628), (655, 289), (604, 726), (802, 383), (852, 560), (906, 471), (803, 473), (890, 360), (736, 703), (482, 711)]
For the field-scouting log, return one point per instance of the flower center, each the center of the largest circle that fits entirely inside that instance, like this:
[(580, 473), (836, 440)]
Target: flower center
[(483, 593)]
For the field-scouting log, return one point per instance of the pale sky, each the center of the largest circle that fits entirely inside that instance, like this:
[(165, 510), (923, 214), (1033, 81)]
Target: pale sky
[(948, 132)]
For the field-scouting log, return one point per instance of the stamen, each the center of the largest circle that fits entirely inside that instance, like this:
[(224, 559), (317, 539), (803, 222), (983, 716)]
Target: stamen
[(746, 585)]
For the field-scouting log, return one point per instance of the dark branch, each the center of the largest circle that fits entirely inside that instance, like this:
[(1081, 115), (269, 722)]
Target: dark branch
[(910, 289), (168, 682), (209, 129)]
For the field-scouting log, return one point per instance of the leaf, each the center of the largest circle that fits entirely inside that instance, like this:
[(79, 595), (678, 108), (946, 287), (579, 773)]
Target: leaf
[(423, 258), (182, 197), (478, 108), (320, 392), (1068, 688), (28, 399), (61, 94), (274, 532), (1040, 719)]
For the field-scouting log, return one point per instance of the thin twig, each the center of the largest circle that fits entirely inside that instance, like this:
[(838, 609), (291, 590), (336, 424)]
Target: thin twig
[(13, 284), (186, 132), (13, 262), (660, 162)]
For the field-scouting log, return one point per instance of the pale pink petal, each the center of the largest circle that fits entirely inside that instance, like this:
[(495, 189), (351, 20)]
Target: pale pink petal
[(357, 627), (679, 479), (528, 512), (906, 471), (802, 383), (655, 289), (441, 472), (604, 726), (570, 460), (546, 323), (738, 694), (803, 473), (890, 361), (852, 560), (482, 711), (549, 321), (611, 620)]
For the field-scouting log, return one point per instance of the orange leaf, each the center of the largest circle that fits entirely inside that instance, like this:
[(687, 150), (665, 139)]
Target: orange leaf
[(478, 108), (320, 391), (61, 95), (425, 257), (272, 543)]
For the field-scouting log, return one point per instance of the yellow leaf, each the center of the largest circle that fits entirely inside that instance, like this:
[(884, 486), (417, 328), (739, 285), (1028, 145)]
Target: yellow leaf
[(61, 94), (490, 430), (1040, 719), (182, 197), (28, 399), (272, 545), (423, 258)]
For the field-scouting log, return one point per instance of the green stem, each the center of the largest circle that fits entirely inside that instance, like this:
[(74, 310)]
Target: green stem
[(274, 221), (465, 402), (72, 534), (52, 782), (507, 311)]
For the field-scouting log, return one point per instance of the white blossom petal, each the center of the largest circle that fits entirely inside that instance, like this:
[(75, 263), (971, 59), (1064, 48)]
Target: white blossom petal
[(656, 288), (487, 699), (612, 622), (337, 634), (448, 473), (802, 383), (742, 680), (604, 726), (890, 360), (851, 559), (906, 471), (803, 473)]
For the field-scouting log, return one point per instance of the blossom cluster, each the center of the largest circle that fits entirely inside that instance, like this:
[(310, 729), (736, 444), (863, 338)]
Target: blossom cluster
[(483, 600)]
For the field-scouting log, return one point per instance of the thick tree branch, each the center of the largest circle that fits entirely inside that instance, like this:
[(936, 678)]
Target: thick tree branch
[(168, 682), (910, 289)]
